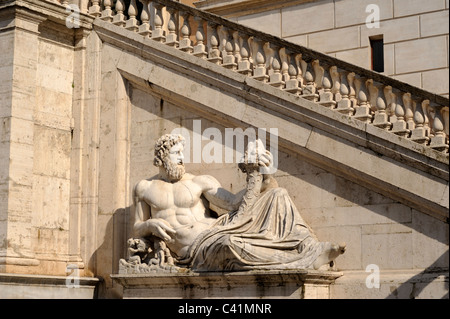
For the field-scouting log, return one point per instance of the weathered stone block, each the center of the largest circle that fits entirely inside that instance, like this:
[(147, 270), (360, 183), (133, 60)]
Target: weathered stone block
[(268, 21), (360, 57), (21, 158), (56, 56), (389, 59), (429, 242), (436, 81), (51, 202), (308, 17), (387, 250), (435, 23), (46, 287), (52, 152), (410, 7), (351, 235), (335, 40), (410, 78), (395, 30), (299, 39), (354, 11), (53, 109), (55, 79)]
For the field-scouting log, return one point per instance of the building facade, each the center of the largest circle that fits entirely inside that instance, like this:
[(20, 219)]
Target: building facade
[(85, 94), (414, 33)]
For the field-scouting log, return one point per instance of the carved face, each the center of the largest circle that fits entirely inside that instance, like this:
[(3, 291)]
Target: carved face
[(176, 154), (173, 162)]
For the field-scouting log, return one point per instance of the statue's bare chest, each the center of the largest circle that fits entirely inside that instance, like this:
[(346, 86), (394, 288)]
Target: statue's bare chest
[(183, 194)]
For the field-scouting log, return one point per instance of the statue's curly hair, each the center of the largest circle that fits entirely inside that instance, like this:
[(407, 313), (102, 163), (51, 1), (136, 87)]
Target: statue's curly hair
[(163, 145)]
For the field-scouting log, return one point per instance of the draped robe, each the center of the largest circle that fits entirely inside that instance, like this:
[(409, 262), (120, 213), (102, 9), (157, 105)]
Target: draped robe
[(271, 234)]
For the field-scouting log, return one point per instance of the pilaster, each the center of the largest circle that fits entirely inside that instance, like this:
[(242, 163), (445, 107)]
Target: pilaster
[(22, 31)]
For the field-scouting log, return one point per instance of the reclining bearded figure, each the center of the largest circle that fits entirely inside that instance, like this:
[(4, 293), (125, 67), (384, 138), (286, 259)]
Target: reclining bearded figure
[(262, 228)]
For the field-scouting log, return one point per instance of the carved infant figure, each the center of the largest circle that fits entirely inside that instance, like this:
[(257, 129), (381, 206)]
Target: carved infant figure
[(138, 250)]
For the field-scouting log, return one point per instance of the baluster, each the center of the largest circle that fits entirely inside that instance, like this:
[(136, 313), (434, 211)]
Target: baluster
[(345, 106), (399, 127), (245, 66), (94, 9), (293, 84), (200, 48), (260, 71), (64, 2), (445, 116), (132, 23), (229, 60), (185, 42), (335, 79), (301, 65), (158, 32), (419, 134), (409, 114), (172, 37), (380, 118), (391, 102), (438, 141), (362, 111), (285, 64), (214, 52), (351, 85), (107, 13), (119, 18), (325, 95), (144, 28), (319, 71), (276, 78), (429, 116), (237, 47), (309, 90)]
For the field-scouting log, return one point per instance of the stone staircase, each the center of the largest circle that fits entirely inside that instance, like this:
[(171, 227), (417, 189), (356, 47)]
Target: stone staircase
[(87, 77), (394, 120), (394, 106)]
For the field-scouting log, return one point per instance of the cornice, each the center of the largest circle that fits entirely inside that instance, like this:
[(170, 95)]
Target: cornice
[(41, 10), (236, 8)]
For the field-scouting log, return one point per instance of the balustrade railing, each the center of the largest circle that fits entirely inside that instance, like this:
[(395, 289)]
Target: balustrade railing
[(391, 105)]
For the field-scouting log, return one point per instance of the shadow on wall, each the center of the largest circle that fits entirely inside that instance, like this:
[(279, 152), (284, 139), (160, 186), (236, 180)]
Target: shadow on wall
[(105, 259), (416, 285), (117, 226)]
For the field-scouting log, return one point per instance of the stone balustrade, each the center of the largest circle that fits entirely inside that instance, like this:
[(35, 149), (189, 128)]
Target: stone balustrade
[(386, 103)]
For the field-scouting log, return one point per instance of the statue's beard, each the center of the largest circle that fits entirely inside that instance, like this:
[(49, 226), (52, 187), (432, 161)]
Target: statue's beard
[(174, 171)]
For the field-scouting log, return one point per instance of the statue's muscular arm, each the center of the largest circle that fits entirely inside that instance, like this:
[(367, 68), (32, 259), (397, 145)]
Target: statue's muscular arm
[(217, 195), (144, 224)]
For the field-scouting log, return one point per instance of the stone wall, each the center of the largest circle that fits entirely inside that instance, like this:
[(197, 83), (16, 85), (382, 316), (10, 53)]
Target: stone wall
[(378, 230), (36, 115), (52, 147), (415, 33), (81, 109)]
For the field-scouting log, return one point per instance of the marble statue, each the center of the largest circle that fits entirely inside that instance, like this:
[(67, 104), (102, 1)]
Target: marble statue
[(262, 228)]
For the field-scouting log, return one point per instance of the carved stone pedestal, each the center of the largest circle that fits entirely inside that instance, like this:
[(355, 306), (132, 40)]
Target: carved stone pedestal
[(288, 284)]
